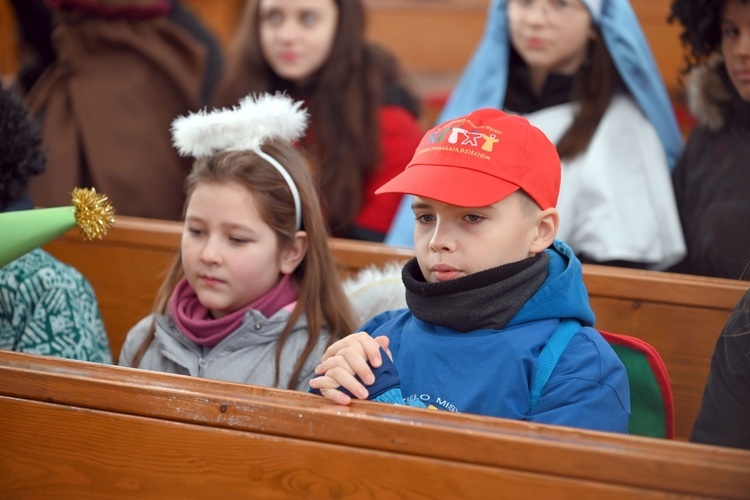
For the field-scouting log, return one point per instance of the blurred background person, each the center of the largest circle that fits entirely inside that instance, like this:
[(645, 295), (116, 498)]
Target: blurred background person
[(106, 78), (364, 120), (583, 72), (712, 178)]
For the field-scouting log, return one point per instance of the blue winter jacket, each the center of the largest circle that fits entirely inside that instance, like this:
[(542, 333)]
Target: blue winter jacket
[(490, 372)]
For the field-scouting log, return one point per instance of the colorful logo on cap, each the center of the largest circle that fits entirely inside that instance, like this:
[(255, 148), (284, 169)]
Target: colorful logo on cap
[(472, 140)]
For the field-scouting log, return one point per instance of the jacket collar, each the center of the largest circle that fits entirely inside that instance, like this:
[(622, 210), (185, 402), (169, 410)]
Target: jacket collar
[(712, 98)]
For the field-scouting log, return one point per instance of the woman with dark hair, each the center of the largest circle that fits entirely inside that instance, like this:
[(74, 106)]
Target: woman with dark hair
[(582, 71), (364, 124), (712, 178)]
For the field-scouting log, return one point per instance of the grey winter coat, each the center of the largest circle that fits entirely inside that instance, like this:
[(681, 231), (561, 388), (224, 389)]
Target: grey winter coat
[(247, 355)]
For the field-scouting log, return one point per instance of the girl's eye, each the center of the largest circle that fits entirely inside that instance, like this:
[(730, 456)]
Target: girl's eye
[(237, 240), (309, 19), (195, 231), (273, 18), (730, 32)]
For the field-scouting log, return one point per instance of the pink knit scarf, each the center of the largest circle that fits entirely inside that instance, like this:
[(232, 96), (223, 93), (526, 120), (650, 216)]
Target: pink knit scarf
[(196, 322)]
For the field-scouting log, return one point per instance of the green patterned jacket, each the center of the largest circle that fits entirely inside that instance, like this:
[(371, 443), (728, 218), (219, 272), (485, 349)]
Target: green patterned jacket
[(47, 307)]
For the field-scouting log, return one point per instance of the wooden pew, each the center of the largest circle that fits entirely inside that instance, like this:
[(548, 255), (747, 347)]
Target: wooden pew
[(127, 267), (680, 315), (81, 430)]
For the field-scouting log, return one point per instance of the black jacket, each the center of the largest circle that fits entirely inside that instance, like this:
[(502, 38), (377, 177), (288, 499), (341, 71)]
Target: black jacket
[(724, 416), (712, 179)]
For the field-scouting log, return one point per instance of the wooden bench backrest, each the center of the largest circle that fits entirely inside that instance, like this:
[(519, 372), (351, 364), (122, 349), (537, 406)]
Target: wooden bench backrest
[(681, 316), (84, 430)]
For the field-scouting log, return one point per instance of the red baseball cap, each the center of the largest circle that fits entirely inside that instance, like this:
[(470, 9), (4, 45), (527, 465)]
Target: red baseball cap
[(479, 159)]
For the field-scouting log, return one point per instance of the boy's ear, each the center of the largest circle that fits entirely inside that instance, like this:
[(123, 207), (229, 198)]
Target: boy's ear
[(293, 255), (547, 223)]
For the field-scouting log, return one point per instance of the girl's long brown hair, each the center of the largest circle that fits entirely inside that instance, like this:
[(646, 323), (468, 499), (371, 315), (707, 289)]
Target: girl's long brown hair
[(594, 86), (320, 295), (344, 104)]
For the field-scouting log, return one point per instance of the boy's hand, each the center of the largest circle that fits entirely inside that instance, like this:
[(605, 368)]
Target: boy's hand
[(346, 359)]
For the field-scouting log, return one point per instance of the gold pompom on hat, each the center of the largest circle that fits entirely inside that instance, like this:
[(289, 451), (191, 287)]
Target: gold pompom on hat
[(25, 230)]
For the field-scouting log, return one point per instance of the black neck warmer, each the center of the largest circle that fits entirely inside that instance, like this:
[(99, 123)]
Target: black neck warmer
[(484, 300)]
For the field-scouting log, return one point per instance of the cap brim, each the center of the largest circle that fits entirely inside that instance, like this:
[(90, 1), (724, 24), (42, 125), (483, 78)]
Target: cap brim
[(459, 186)]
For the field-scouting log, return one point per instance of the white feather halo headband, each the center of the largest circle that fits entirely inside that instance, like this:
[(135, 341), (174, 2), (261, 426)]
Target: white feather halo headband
[(245, 127), (255, 120)]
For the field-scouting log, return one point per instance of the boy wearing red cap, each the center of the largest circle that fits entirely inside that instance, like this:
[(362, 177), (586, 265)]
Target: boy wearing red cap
[(487, 290)]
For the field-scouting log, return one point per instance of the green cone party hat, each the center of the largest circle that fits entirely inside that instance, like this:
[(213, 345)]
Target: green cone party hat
[(25, 230)]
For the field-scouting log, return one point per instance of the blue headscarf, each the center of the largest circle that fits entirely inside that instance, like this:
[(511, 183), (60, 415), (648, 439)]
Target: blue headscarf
[(484, 81)]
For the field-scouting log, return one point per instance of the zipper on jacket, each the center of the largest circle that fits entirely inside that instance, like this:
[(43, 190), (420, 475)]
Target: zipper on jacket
[(201, 365)]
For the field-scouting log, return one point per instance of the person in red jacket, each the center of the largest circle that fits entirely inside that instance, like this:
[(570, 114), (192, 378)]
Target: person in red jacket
[(364, 121)]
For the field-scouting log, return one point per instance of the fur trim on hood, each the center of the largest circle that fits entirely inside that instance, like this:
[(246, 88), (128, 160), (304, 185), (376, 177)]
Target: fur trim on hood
[(709, 98), (374, 290)]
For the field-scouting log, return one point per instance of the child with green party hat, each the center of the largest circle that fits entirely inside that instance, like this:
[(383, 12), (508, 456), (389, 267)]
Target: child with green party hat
[(46, 307)]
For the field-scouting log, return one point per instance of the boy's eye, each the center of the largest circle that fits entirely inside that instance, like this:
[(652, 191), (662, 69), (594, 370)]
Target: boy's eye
[(474, 218), (425, 218)]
